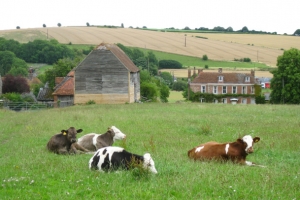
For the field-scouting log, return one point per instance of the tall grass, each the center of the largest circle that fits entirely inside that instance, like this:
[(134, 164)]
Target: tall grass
[(167, 131)]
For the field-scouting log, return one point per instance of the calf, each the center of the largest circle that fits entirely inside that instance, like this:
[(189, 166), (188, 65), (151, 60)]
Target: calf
[(94, 141), (234, 151), (112, 158), (63, 143)]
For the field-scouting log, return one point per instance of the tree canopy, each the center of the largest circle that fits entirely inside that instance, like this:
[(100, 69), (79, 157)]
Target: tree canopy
[(285, 83)]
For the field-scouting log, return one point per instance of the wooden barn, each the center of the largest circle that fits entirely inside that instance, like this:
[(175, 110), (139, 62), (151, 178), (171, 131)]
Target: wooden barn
[(106, 76)]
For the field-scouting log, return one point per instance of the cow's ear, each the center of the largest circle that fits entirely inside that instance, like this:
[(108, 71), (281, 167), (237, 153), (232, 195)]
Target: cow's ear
[(64, 132), (240, 140), (256, 139), (79, 130)]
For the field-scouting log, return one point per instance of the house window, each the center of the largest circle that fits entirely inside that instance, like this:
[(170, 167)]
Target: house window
[(202, 100), (224, 100), (247, 79), (233, 89), (220, 78), (216, 101), (224, 89), (244, 101), (203, 89), (252, 90), (244, 89), (252, 101), (215, 90)]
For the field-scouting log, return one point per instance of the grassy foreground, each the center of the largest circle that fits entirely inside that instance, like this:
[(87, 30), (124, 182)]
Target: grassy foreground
[(167, 131)]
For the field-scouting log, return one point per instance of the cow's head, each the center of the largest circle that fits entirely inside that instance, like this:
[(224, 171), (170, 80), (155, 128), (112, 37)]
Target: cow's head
[(248, 141), (71, 134), (118, 135), (149, 163)]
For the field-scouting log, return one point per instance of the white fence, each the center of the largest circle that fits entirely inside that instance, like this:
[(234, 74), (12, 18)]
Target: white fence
[(25, 106)]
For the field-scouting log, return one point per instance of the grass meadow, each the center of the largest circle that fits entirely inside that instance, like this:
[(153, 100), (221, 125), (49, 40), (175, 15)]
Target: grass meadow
[(167, 131)]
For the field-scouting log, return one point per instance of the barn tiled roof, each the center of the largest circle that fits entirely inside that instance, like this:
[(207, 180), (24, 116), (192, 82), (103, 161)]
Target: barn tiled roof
[(124, 59), (66, 86), (213, 77)]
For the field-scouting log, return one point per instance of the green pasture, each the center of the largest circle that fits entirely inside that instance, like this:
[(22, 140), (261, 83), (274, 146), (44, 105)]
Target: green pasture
[(167, 131), (190, 61)]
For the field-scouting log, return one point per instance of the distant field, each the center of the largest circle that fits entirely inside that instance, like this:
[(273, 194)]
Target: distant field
[(184, 72), (221, 47)]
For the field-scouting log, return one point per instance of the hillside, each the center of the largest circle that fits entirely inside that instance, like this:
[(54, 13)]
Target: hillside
[(217, 46)]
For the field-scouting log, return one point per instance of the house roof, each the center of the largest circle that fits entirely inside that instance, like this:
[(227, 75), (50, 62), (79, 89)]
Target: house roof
[(124, 59), (213, 77), (66, 86), (45, 94)]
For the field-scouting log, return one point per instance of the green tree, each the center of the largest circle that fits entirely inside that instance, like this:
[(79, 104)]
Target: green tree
[(18, 27), (297, 32), (6, 61), (229, 29), (179, 85), (167, 77), (87, 24), (59, 24), (205, 57), (245, 29), (60, 69), (44, 25), (285, 83)]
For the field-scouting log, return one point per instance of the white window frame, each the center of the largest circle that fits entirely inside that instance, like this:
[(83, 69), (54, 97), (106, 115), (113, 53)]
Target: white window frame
[(221, 78), (203, 89), (224, 87), (234, 89), (224, 100), (244, 89), (247, 79), (244, 101), (252, 89), (215, 89)]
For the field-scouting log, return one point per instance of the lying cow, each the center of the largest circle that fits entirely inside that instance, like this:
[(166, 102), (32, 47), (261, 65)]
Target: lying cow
[(94, 141), (63, 143), (234, 151), (112, 158)]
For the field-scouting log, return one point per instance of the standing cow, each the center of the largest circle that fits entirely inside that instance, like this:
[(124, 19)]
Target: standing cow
[(234, 151), (94, 141), (112, 158), (63, 143)]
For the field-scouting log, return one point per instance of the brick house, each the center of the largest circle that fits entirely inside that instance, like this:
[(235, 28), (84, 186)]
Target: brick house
[(226, 87)]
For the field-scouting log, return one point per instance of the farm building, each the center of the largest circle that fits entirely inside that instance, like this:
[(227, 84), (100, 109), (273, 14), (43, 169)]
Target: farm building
[(105, 76), (232, 87), (63, 94)]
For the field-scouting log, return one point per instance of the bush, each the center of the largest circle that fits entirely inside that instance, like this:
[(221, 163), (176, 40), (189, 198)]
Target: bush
[(179, 85), (204, 57), (16, 84), (260, 100), (169, 64)]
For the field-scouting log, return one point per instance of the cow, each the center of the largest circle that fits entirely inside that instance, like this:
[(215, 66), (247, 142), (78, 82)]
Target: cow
[(112, 158), (63, 142), (234, 151), (94, 141)]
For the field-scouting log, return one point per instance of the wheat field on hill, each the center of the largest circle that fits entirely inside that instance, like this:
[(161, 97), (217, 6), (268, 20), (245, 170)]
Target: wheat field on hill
[(218, 46)]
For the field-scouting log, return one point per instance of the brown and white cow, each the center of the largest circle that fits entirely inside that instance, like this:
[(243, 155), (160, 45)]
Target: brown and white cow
[(94, 141), (235, 151), (63, 142)]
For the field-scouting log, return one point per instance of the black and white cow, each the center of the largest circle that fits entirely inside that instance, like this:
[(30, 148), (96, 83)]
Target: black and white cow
[(112, 158)]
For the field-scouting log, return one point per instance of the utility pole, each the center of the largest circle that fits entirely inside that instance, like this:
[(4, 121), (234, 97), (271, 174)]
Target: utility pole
[(185, 40)]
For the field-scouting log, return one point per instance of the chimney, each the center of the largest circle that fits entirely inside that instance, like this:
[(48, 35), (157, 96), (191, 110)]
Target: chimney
[(253, 72), (220, 70), (199, 71), (189, 73)]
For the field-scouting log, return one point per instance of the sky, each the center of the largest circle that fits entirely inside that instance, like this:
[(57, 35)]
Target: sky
[(260, 15)]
